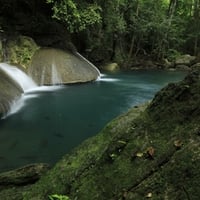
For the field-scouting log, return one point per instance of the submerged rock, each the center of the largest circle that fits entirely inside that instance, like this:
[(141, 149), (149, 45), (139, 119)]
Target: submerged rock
[(53, 66)]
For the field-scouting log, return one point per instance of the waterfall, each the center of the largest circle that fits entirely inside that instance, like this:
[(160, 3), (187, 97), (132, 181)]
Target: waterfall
[(55, 78), (27, 85), (18, 76), (43, 76), (93, 66), (23, 80)]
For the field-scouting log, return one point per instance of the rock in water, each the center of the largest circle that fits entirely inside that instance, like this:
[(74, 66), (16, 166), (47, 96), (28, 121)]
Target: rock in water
[(53, 66)]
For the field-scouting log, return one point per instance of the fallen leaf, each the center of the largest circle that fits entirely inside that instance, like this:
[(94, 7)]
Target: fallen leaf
[(149, 195), (150, 151), (139, 154), (178, 143)]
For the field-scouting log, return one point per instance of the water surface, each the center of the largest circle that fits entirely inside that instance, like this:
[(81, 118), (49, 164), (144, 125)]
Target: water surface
[(54, 121)]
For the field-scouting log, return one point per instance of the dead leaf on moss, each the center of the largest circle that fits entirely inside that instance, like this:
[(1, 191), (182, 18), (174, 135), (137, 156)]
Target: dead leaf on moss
[(178, 143), (151, 152), (149, 195)]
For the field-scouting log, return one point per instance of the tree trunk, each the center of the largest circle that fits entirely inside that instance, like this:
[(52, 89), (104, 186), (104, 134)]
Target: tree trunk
[(197, 24), (170, 14), (132, 40)]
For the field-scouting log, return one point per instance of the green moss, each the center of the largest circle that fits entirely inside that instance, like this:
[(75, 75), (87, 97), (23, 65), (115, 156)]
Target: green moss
[(20, 50)]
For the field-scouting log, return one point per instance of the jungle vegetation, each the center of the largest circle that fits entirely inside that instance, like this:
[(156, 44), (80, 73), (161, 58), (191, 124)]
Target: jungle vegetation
[(122, 30)]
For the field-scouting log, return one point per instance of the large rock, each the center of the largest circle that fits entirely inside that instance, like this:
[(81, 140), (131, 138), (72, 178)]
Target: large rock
[(186, 60), (111, 67), (9, 91), (19, 50), (53, 66), (196, 66), (28, 174)]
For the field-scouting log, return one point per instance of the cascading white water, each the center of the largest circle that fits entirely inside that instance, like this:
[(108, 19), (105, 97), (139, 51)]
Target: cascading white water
[(24, 81), (55, 78), (78, 54), (19, 76), (27, 84), (43, 76)]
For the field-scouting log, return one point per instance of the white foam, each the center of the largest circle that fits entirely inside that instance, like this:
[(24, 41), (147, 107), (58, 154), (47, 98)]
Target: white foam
[(18, 76), (45, 88), (109, 79)]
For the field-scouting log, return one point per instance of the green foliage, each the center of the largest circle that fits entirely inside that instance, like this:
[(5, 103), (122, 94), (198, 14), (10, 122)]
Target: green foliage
[(115, 30), (58, 197), (172, 54), (77, 16)]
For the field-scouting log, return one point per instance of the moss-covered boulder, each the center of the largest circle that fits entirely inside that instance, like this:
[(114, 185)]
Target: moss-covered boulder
[(185, 60), (110, 67), (19, 50), (9, 91), (25, 175), (53, 66), (151, 152)]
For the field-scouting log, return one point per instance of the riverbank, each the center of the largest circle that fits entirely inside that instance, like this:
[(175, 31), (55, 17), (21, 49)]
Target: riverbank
[(150, 152)]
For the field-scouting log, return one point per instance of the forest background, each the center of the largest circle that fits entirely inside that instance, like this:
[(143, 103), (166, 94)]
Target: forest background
[(122, 31)]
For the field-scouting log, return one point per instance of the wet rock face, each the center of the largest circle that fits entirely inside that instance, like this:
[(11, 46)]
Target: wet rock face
[(25, 175), (53, 66), (9, 91), (178, 101)]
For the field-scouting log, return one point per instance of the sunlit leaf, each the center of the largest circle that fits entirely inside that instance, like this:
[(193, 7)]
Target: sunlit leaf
[(149, 195), (139, 154)]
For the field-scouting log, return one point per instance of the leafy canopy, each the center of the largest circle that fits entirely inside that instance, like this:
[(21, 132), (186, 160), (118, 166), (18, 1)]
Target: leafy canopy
[(76, 15)]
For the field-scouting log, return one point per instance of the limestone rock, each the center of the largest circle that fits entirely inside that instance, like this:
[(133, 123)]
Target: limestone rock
[(196, 66), (183, 67), (9, 91), (111, 67), (23, 176), (167, 64), (185, 60), (53, 66)]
